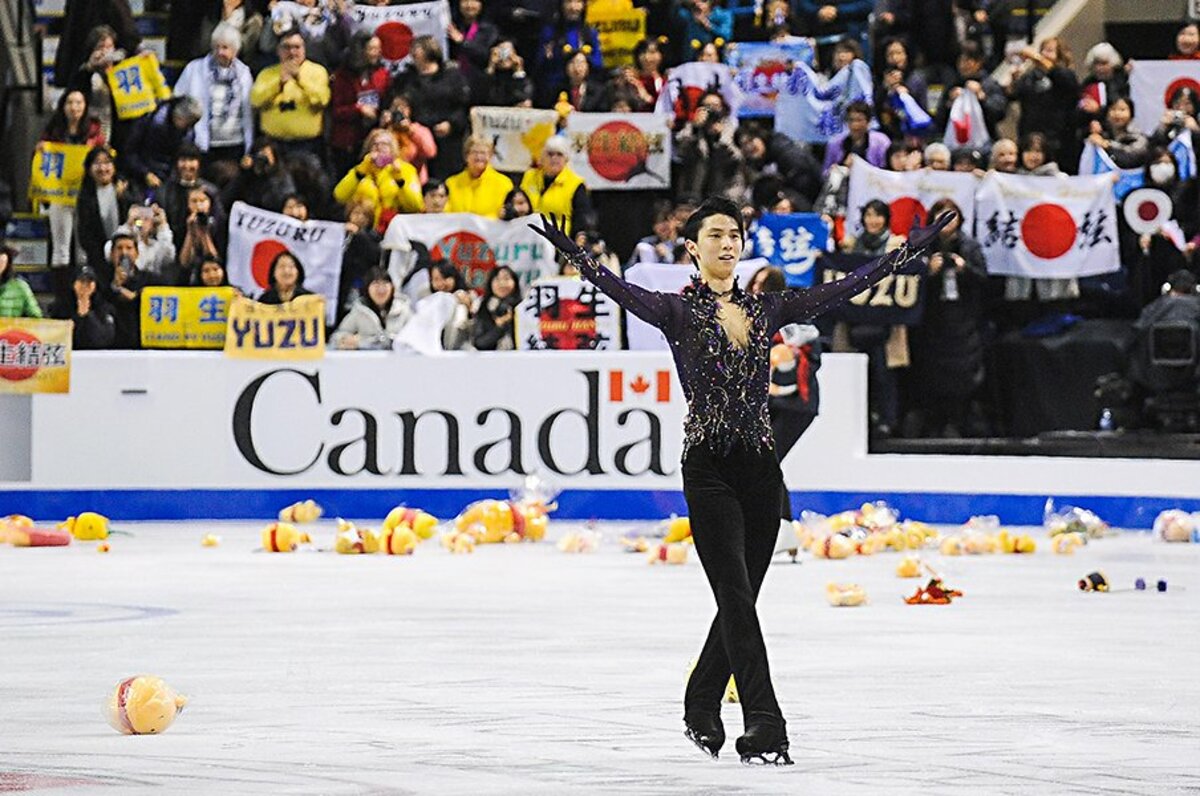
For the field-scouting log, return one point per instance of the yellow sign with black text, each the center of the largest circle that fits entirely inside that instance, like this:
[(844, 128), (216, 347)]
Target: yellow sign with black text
[(137, 85), (35, 355), (619, 29), (185, 317), (294, 330), (57, 173)]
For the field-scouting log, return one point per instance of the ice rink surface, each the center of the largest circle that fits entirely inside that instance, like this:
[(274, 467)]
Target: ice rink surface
[(522, 670)]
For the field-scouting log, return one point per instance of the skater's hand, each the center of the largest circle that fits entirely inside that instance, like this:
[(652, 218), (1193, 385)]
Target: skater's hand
[(556, 233)]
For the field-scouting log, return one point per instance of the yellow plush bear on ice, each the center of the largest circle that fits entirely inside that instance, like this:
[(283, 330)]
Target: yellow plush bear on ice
[(283, 537), (419, 522), (87, 526), (1065, 543), (833, 546), (493, 521), (142, 705), (679, 529), (398, 541), (458, 542), (304, 511), (845, 595), (1009, 543), (668, 554), (909, 567)]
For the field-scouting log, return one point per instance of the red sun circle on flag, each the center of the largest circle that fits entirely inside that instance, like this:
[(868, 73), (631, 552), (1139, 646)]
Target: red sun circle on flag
[(470, 253), (1176, 84), (15, 337), (395, 39), (617, 151), (261, 258), (1147, 211), (1048, 231), (903, 210)]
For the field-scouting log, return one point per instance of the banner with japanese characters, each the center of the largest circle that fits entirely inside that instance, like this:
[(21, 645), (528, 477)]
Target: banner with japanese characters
[(908, 194), (687, 83), (397, 25), (185, 317), (621, 151), (1152, 84), (566, 314), (475, 245), (35, 355), (619, 28), (813, 109), (294, 330), (761, 70), (57, 173), (892, 301), (1047, 227), (518, 133), (670, 278), (257, 237), (791, 241), (137, 85)]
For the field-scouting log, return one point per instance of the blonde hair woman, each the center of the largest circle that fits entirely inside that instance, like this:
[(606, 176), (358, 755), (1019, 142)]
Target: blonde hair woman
[(382, 179)]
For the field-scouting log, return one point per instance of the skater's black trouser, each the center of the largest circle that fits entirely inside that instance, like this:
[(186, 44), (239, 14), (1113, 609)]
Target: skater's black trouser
[(733, 507)]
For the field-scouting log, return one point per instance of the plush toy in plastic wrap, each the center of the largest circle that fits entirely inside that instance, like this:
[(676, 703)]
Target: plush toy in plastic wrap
[(283, 537), (1015, 543), (845, 595), (668, 554), (1072, 519), (19, 531), (521, 518), (88, 526), (302, 512), (634, 544), (1065, 543), (1174, 525), (421, 523), (909, 567), (585, 541), (399, 541), (458, 542), (350, 539), (210, 540), (142, 705), (676, 529)]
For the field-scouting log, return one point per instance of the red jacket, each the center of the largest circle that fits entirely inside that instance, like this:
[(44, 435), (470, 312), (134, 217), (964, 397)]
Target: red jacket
[(350, 127)]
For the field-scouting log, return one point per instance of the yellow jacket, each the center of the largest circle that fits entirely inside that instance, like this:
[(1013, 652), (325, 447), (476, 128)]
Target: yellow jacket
[(554, 198), (394, 187), (483, 196), (294, 110)]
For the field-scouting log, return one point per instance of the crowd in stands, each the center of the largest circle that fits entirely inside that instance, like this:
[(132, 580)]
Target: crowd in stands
[(301, 116)]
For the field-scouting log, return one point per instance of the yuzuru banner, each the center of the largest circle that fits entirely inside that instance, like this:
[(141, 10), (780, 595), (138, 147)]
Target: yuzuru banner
[(397, 25), (185, 317), (57, 173), (893, 300), (35, 355), (137, 85), (620, 28), (294, 330), (517, 133), (567, 314)]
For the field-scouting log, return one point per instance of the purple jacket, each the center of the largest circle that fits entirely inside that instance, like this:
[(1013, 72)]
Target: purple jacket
[(877, 147)]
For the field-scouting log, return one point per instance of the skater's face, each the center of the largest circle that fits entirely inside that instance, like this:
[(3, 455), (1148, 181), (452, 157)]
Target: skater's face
[(718, 246)]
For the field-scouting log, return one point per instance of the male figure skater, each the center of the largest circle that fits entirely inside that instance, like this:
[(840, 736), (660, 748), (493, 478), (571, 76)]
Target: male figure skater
[(720, 338)]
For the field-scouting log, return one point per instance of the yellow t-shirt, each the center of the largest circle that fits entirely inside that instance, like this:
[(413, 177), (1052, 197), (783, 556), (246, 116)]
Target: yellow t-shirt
[(483, 196), (295, 110)]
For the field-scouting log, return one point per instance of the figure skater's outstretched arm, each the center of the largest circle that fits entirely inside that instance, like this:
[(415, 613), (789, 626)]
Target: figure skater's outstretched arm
[(661, 310), (800, 306)]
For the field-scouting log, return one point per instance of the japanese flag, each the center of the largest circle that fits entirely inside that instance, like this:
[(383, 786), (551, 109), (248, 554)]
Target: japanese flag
[(1153, 83), (908, 194), (966, 128)]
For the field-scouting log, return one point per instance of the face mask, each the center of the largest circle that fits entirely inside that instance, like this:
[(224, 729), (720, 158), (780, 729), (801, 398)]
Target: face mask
[(1162, 172)]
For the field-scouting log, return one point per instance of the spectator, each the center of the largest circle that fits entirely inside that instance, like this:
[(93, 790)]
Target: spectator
[(659, 247), (1004, 156), (90, 77), (937, 157), (478, 188), (1158, 255), (896, 77), (69, 124), (445, 278), (173, 195), (1048, 93), (324, 24), (127, 284), (471, 41), (835, 20), (295, 207), (793, 162), (1036, 157), (700, 22), (382, 180), (1127, 147), (566, 34), (286, 279), (221, 83), (94, 325), (645, 77), (555, 189), (584, 93), (1187, 43), (436, 196), (375, 319), (203, 235), (81, 18), (505, 82), (709, 160), (1104, 83), (494, 329), (359, 87), (947, 346), (972, 77), (155, 244), (440, 100), (262, 181), (710, 53), (1178, 119), (16, 298), (211, 273), (902, 157), (415, 140), (516, 205), (860, 139), (291, 98), (362, 253), (104, 201), (155, 139)]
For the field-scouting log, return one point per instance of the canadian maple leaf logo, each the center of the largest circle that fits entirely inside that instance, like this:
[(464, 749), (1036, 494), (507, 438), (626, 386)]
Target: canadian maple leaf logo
[(639, 385)]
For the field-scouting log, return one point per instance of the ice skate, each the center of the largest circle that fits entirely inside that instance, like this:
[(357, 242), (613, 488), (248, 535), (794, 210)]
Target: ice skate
[(764, 744), (706, 732)]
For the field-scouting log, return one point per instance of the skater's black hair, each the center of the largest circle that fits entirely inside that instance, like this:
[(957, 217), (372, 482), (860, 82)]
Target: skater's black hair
[(712, 206)]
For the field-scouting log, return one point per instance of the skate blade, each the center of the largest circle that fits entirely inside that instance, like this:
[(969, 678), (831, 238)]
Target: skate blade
[(780, 758), (696, 739)]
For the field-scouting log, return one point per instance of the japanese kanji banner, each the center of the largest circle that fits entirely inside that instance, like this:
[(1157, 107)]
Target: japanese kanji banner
[(620, 27), (257, 237), (518, 133), (893, 300), (908, 194), (1047, 227), (567, 314), (137, 85), (1152, 84), (791, 241), (397, 26), (57, 173), (476, 245), (621, 151), (687, 83), (669, 278), (761, 69), (35, 355), (810, 108), (294, 330), (185, 317)]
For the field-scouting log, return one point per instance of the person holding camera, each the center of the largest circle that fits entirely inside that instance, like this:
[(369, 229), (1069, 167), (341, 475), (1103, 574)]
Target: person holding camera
[(126, 288), (1178, 119), (382, 180), (504, 81), (173, 195), (359, 87), (262, 181), (94, 326), (440, 99), (701, 22), (416, 142), (91, 77), (203, 236), (709, 161), (1048, 93), (155, 243)]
